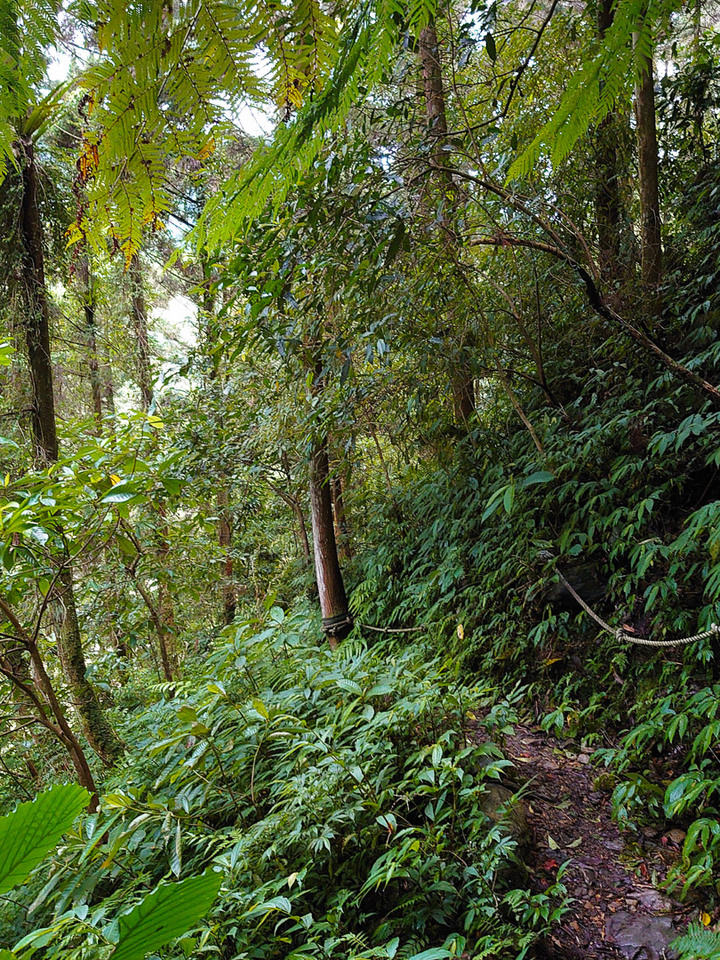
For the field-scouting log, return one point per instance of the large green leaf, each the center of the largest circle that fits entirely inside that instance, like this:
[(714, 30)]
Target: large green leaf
[(29, 833), (165, 914)]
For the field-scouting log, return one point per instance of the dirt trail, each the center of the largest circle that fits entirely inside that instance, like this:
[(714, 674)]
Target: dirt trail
[(618, 912)]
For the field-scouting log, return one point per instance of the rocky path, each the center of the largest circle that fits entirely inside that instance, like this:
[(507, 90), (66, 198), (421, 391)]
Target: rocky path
[(618, 911)]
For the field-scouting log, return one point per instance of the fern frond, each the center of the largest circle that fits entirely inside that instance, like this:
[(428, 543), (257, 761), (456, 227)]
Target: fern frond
[(173, 78), (611, 72), (365, 54), (698, 943)]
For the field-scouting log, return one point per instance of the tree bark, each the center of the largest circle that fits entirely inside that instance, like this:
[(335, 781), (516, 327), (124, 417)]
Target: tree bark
[(40, 693), (100, 735), (44, 422), (461, 381), (302, 530), (650, 237), (37, 318), (342, 532), (608, 169), (158, 623), (88, 298), (228, 589), (429, 50), (166, 605), (225, 532), (337, 622), (108, 386), (139, 319), (15, 667), (293, 501)]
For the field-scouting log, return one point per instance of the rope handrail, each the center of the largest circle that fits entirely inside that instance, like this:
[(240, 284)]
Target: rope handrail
[(621, 634)]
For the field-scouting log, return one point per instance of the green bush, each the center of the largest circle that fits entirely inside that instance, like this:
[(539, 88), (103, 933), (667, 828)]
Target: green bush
[(342, 795)]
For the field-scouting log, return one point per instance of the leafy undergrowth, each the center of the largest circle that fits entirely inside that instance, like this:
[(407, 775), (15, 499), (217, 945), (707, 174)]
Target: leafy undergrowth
[(338, 793), (625, 501)]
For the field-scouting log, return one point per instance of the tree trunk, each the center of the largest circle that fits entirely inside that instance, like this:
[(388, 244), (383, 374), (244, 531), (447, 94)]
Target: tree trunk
[(158, 623), (37, 318), (429, 51), (302, 530), (142, 345), (293, 501), (163, 614), (65, 733), (225, 532), (108, 386), (650, 238), (44, 424), (461, 379), (88, 297), (608, 202), (337, 622), (14, 666), (166, 606), (98, 731), (463, 398), (40, 693), (342, 533)]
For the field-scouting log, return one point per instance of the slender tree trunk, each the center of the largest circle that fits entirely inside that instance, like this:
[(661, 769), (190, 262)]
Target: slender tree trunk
[(342, 532), (37, 318), (302, 530), (99, 733), (162, 614), (88, 297), (607, 200), (461, 380), (227, 586), (429, 50), (337, 622), (140, 326), (15, 666), (45, 433), (228, 589), (66, 735), (40, 693), (108, 386), (158, 623), (650, 238), (608, 166), (166, 606), (293, 501)]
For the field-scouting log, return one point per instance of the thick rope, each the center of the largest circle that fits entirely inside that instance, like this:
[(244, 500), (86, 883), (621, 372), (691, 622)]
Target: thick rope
[(621, 634), (366, 626)]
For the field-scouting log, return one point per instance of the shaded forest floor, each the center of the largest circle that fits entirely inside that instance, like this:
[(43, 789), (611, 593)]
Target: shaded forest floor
[(618, 911)]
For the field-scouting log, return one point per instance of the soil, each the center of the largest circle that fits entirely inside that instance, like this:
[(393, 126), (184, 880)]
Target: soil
[(618, 911)]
